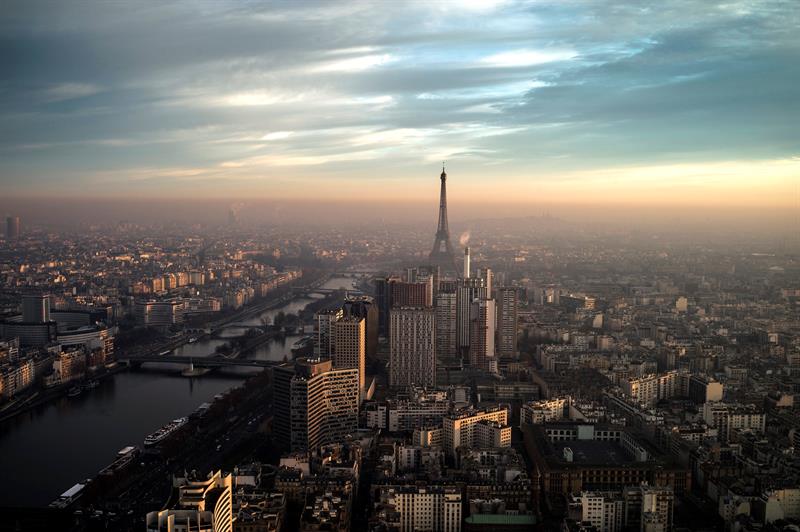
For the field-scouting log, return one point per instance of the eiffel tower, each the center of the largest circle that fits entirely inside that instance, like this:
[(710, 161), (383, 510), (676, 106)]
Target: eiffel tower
[(442, 254)]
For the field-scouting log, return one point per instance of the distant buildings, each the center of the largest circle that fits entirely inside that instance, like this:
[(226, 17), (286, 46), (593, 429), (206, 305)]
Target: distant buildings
[(158, 313), (12, 228)]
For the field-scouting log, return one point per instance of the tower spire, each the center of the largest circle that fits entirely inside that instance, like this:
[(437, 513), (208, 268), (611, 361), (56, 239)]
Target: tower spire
[(442, 253)]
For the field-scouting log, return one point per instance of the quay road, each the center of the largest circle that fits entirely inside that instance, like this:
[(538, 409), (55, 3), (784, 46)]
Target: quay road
[(233, 438)]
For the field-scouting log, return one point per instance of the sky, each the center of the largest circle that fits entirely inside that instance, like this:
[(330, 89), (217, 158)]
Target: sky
[(653, 102)]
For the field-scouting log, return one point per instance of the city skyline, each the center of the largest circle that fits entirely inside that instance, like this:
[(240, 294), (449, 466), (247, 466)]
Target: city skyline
[(679, 105)]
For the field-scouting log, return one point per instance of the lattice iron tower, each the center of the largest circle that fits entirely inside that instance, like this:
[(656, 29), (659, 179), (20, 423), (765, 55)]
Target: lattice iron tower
[(442, 253)]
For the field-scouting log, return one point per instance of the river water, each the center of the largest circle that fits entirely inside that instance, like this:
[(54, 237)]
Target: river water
[(45, 451)]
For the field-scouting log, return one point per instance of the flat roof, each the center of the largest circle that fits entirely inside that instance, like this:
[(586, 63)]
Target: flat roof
[(591, 452)]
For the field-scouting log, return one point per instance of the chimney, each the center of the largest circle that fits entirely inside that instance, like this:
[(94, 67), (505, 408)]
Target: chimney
[(466, 262)]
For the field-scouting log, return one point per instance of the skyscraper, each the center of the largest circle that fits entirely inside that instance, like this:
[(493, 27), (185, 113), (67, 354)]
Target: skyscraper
[(467, 291), (481, 333), (324, 320), (315, 404), (412, 344), (446, 320), (507, 303), (417, 294), (349, 347), (364, 307), (12, 228), (442, 252)]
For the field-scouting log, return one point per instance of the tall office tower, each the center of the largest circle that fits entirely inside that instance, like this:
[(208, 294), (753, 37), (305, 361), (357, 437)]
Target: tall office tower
[(488, 279), (507, 303), (405, 294), (481, 333), (446, 312), (442, 253), (383, 298), (412, 347), (468, 291), (12, 228), (466, 274), (35, 308), (314, 404), (364, 307), (202, 505), (349, 347), (323, 323)]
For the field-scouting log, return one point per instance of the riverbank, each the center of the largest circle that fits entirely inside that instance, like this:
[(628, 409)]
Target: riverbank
[(43, 396)]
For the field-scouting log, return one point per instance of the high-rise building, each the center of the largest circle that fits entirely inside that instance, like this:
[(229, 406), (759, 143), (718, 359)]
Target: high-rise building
[(365, 307), (481, 333), (349, 347), (446, 320), (203, 505), (383, 298), (442, 253), (468, 290), (407, 294), (488, 279), (324, 320), (314, 404), (12, 228), (35, 308), (412, 344), (507, 303)]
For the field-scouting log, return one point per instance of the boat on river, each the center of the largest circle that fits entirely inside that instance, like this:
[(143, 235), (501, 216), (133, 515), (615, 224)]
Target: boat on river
[(162, 433)]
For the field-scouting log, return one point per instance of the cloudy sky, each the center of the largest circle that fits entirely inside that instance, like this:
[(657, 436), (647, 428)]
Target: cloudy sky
[(694, 102)]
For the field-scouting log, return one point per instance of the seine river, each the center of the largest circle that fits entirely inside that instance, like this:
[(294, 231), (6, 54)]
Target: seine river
[(48, 449)]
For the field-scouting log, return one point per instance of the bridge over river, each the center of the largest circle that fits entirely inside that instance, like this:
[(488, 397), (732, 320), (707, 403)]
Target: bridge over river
[(203, 362)]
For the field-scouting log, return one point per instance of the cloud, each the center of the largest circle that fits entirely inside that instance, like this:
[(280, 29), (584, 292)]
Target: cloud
[(524, 58), (512, 88), (68, 91)]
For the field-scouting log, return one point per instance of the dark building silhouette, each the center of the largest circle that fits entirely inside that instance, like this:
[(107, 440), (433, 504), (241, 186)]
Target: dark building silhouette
[(12, 228)]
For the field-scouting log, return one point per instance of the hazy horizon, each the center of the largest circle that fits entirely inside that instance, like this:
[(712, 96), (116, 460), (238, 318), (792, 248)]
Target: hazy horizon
[(731, 222)]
